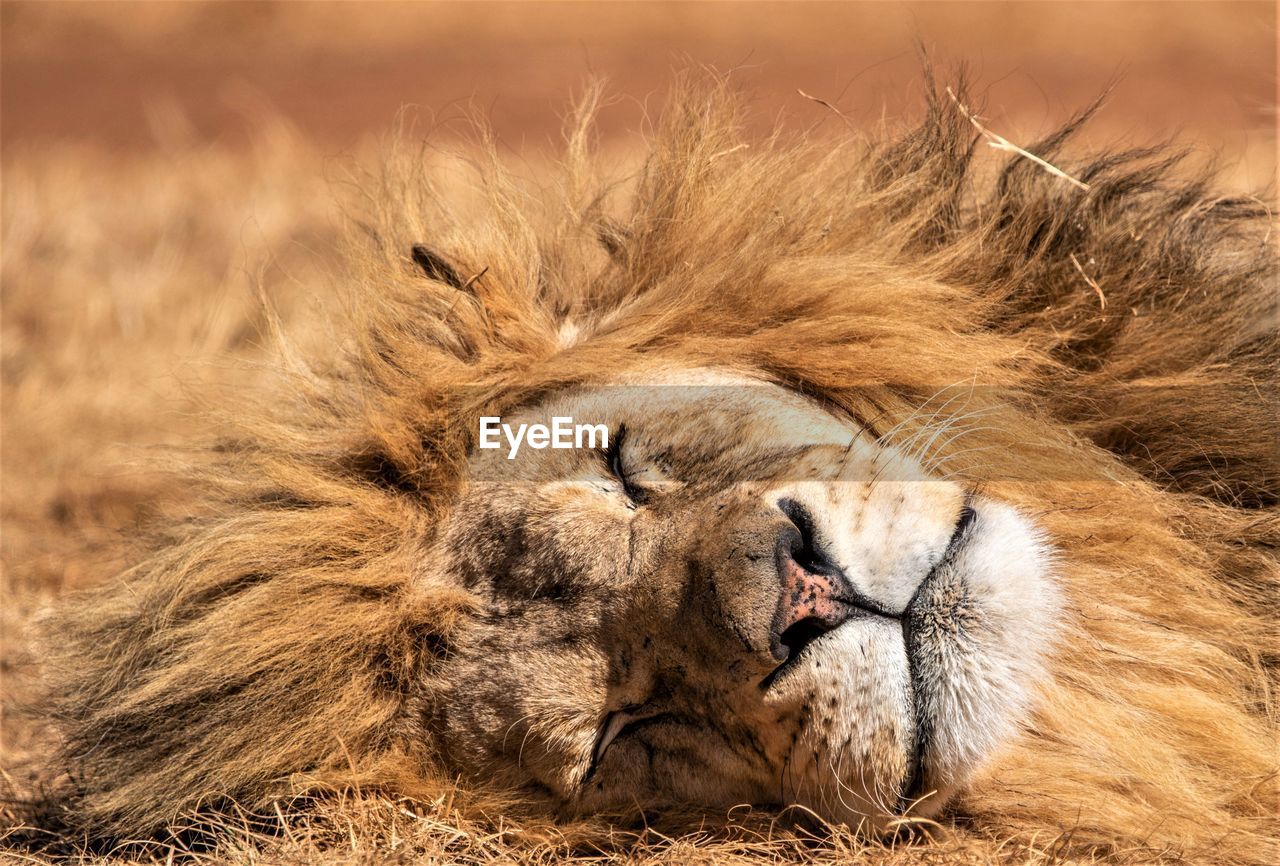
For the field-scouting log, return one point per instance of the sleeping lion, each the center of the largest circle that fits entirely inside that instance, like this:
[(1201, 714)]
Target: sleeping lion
[(925, 489)]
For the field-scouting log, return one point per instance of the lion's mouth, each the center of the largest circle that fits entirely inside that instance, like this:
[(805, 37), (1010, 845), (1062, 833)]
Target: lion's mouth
[(802, 635), (798, 639)]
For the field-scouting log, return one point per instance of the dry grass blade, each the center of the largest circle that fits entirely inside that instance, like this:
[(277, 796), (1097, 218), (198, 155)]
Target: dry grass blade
[(1093, 284), (999, 142), (824, 104)]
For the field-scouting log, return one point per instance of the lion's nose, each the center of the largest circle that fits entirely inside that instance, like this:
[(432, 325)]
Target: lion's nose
[(816, 596)]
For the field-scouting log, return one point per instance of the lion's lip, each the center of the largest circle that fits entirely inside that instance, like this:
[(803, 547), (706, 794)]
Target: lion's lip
[(959, 536), (793, 660), (790, 662)]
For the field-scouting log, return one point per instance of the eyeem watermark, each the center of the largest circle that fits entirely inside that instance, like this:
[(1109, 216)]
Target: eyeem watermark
[(562, 433)]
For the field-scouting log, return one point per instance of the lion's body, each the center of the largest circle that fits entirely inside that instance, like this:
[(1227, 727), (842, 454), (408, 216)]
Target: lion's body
[(1118, 345)]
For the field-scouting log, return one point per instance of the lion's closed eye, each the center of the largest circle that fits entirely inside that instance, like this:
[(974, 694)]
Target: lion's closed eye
[(613, 725), (616, 725), (635, 492)]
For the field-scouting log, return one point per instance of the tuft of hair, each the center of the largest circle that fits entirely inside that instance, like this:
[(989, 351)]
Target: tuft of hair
[(281, 640)]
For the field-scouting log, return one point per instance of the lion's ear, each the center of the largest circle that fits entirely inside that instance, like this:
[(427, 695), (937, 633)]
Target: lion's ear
[(436, 266)]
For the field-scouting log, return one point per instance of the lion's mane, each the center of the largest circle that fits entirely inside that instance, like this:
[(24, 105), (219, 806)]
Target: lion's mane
[(1124, 332)]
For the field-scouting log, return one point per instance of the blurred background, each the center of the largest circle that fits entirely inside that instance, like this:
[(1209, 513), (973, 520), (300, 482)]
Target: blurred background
[(165, 164), (127, 76)]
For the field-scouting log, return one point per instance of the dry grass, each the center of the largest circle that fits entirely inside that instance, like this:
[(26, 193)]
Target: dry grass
[(128, 286), (354, 828)]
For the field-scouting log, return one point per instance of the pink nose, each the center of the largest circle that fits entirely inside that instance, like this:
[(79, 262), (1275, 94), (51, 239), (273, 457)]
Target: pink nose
[(808, 595), (817, 596), (812, 603)]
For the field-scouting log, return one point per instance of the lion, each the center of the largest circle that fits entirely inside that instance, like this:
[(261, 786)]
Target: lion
[(926, 491)]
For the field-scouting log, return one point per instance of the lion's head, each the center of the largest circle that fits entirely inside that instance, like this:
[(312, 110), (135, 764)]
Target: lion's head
[(743, 598), (924, 485)]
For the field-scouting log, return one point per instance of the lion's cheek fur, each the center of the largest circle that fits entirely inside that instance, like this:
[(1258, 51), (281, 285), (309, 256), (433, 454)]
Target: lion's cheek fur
[(521, 710), (979, 644)]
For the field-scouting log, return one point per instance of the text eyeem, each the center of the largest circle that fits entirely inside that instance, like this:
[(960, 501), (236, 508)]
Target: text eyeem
[(562, 433)]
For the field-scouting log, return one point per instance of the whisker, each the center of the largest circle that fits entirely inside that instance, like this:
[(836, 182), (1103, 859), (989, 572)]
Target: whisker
[(883, 439), (941, 457)]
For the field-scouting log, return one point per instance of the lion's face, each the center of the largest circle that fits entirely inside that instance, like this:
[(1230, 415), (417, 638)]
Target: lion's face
[(743, 600)]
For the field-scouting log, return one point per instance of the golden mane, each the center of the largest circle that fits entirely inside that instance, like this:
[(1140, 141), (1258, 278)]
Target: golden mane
[(1124, 333)]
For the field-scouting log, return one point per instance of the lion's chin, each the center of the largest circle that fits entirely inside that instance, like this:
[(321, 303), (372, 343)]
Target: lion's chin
[(897, 716)]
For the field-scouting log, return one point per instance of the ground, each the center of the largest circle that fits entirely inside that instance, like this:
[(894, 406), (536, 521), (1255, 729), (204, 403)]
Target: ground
[(163, 164)]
